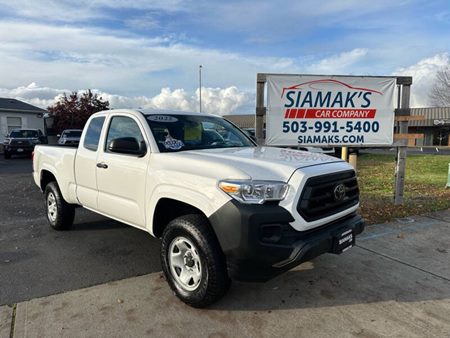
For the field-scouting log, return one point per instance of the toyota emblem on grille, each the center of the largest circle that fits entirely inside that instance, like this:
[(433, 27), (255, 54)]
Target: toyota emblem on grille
[(339, 192)]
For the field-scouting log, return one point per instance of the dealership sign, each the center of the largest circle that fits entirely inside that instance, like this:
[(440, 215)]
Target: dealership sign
[(329, 110)]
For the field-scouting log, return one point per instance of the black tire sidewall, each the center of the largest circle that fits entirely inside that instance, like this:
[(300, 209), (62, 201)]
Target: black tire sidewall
[(178, 231), (213, 266), (65, 212)]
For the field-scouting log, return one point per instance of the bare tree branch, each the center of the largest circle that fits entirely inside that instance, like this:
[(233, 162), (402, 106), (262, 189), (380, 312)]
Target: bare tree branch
[(440, 93)]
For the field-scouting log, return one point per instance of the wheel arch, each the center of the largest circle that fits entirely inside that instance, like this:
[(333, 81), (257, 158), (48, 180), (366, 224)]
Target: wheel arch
[(168, 209), (45, 178), (177, 200)]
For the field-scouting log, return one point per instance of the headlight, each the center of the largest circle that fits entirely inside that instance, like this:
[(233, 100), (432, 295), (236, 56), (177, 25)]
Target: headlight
[(255, 192), (35, 141)]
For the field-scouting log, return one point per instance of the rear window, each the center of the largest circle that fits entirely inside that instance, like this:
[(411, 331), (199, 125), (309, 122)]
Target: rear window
[(93, 133)]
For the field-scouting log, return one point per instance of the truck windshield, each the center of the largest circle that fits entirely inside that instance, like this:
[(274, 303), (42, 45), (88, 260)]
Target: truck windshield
[(24, 134), (190, 132)]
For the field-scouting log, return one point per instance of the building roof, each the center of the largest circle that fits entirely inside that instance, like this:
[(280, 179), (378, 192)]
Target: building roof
[(16, 106), (243, 121), (431, 114)]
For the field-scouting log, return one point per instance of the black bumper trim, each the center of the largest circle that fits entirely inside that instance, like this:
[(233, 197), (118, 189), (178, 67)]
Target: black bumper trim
[(250, 257)]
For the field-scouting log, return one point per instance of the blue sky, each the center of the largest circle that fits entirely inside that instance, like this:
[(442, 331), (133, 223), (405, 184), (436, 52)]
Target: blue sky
[(147, 53)]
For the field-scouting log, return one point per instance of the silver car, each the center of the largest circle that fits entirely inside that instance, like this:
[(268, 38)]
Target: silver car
[(70, 137)]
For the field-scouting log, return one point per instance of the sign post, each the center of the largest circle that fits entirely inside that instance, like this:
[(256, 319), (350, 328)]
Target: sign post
[(400, 169), (260, 108)]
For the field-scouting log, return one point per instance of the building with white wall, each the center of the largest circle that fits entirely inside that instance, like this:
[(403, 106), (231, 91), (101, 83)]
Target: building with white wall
[(17, 114)]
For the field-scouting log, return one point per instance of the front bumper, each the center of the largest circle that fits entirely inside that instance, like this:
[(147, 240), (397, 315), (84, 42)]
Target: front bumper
[(19, 149), (259, 243)]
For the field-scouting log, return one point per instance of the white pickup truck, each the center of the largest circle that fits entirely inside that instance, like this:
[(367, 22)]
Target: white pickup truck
[(222, 206)]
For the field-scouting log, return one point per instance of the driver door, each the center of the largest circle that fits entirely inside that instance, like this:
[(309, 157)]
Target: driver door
[(121, 178)]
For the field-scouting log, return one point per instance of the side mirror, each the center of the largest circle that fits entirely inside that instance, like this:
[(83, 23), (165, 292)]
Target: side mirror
[(127, 145)]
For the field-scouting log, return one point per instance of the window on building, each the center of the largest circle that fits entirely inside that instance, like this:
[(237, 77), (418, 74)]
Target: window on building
[(13, 123)]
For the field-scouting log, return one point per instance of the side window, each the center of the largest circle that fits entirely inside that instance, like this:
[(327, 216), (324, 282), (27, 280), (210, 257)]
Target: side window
[(93, 133), (122, 126)]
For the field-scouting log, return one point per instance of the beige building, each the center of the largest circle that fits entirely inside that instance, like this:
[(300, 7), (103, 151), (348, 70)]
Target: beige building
[(435, 127)]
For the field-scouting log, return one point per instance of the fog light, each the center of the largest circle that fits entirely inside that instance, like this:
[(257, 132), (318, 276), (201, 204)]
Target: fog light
[(271, 233)]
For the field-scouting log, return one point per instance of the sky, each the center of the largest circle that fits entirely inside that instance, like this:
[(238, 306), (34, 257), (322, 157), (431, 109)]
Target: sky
[(138, 53)]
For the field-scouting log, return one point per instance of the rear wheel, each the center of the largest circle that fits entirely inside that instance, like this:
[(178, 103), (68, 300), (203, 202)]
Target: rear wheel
[(193, 262), (60, 214)]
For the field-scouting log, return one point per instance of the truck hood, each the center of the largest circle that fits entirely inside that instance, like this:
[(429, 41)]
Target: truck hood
[(261, 163)]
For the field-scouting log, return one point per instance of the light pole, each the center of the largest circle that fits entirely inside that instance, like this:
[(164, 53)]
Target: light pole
[(200, 86)]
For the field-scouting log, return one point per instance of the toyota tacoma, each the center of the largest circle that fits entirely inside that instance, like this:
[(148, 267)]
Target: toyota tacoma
[(223, 207)]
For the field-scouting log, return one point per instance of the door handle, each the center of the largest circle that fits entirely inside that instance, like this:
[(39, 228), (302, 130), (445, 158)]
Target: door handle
[(102, 165)]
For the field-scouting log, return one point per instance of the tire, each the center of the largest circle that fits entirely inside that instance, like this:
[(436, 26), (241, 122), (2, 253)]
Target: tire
[(203, 261), (7, 155), (60, 214)]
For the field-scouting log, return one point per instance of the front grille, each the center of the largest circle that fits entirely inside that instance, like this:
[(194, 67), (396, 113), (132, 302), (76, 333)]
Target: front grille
[(20, 143), (319, 198)]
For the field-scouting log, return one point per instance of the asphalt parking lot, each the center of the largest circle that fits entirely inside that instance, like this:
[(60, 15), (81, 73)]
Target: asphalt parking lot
[(36, 261), (394, 283)]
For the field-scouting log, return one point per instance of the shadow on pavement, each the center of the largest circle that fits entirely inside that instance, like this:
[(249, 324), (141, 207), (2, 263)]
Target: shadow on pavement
[(105, 224), (356, 277)]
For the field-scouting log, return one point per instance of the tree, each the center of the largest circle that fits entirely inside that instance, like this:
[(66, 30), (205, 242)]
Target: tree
[(440, 93), (74, 110)]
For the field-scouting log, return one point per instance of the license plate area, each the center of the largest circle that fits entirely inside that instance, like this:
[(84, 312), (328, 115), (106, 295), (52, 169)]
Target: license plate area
[(343, 241)]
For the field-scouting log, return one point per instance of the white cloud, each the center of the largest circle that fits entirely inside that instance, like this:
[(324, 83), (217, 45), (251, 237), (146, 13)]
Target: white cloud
[(424, 75), (340, 63), (214, 100), (33, 94), (82, 10), (225, 101), (72, 57), (221, 101)]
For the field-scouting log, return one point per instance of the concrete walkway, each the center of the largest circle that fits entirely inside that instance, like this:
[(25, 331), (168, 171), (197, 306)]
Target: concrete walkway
[(395, 282)]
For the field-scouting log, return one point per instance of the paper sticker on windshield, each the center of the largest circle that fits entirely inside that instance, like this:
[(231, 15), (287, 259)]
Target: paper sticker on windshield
[(162, 118), (173, 144)]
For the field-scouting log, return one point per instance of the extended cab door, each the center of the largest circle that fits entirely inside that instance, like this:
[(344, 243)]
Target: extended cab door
[(121, 177), (85, 163)]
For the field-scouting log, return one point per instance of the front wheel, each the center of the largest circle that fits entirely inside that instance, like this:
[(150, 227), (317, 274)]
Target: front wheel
[(60, 214), (7, 155), (193, 262)]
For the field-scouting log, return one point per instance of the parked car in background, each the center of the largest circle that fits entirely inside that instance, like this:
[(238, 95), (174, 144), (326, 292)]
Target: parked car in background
[(70, 137), (22, 141), (250, 132)]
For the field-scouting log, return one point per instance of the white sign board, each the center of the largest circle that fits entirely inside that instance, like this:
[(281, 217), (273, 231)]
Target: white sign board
[(329, 110)]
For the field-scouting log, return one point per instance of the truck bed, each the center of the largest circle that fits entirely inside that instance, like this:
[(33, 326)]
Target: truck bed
[(59, 161)]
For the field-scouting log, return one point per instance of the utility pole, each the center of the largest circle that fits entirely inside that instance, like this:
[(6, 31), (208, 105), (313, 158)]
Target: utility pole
[(200, 87)]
